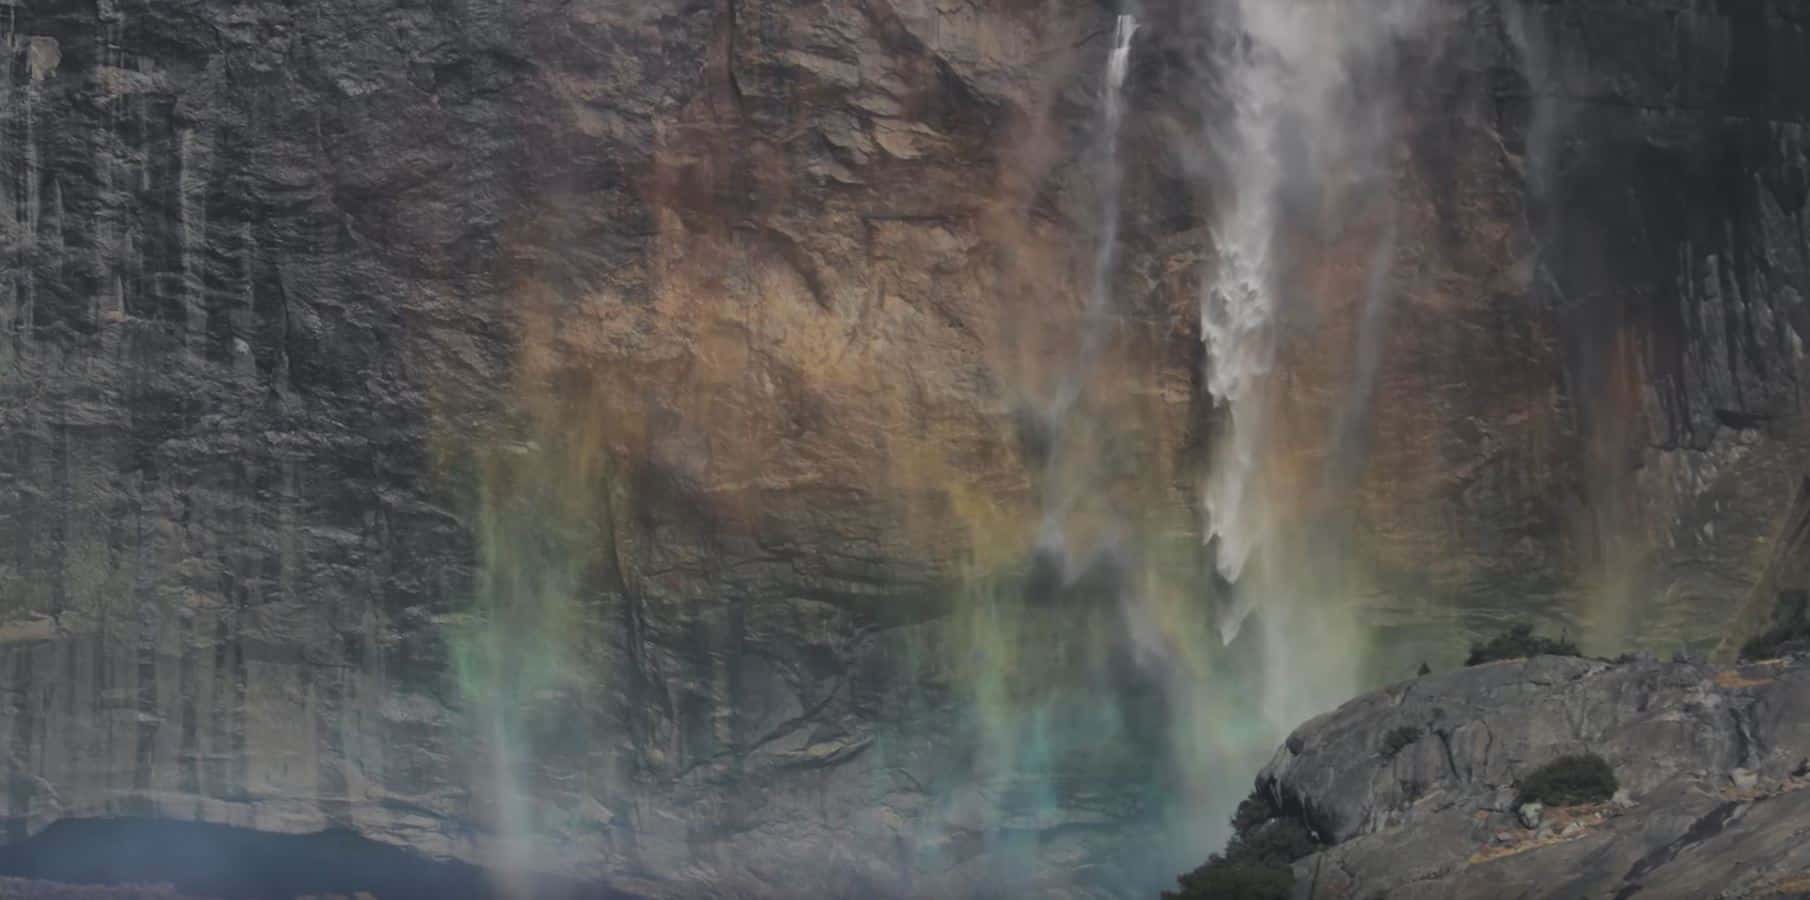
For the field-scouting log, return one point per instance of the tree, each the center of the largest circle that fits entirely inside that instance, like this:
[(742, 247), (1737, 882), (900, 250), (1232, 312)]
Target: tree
[(1569, 781), (1258, 863)]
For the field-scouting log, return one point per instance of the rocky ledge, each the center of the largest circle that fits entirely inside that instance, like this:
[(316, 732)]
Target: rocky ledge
[(1413, 789)]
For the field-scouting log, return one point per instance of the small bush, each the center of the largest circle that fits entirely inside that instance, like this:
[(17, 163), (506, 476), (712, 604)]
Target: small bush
[(1519, 642), (1774, 644), (1252, 812), (1258, 862), (1569, 781), (1223, 879), (1399, 739), (1790, 631), (1278, 843)]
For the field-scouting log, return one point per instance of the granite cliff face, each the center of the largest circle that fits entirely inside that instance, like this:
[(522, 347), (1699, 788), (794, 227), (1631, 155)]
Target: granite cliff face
[(1714, 765), (577, 434), (649, 333), (1670, 209)]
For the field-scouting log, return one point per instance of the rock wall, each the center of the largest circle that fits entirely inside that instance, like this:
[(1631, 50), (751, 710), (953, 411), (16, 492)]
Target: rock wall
[(1669, 186), (1614, 202), (466, 422), (474, 420)]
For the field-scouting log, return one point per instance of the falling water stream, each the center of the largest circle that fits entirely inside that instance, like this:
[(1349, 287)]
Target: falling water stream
[(1239, 306), (1293, 122), (1306, 94), (1106, 258), (1064, 489)]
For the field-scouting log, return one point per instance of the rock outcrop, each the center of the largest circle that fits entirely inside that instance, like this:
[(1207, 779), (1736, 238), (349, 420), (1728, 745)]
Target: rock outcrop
[(1712, 762)]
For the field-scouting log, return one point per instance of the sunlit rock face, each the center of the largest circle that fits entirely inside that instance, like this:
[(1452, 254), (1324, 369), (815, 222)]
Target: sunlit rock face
[(616, 438)]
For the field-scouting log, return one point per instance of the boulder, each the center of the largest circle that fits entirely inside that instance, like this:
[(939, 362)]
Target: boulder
[(1529, 814)]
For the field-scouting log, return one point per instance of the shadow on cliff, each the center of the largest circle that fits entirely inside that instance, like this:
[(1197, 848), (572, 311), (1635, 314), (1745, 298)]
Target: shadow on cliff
[(241, 864)]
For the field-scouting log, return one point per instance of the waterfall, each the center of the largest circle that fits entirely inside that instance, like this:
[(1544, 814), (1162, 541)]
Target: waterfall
[(1065, 488), (1106, 253), (1303, 134), (1113, 114), (1039, 655), (1238, 309), (1294, 124)]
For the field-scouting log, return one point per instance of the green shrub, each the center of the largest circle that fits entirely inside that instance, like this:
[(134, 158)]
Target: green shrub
[(1223, 879), (1253, 812), (1278, 842), (1771, 644), (1258, 862), (1569, 781), (1399, 739), (1789, 633), (1519, 642)]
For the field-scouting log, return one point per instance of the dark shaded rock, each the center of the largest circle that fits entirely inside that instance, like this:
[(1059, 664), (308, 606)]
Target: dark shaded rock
[(22, 889), (233, 863)]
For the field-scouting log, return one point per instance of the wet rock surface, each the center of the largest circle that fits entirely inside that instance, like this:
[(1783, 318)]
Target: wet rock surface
[(1712, 804)]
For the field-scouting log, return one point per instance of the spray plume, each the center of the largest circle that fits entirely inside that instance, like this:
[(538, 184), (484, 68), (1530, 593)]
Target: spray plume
[(1292, 122), (1307, 98)]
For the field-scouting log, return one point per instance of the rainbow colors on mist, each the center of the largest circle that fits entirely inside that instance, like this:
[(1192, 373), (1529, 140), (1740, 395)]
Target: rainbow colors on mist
[(1092, 639)]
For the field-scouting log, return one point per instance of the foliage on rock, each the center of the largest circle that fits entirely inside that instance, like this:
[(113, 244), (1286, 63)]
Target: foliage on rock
[(1569, 781), (1399, 739), (1258, 862), (1519, 642), (1789, 632), (1228, 879)]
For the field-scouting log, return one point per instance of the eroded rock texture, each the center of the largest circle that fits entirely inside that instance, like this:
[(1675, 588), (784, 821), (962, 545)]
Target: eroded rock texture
[(1711, 762), (585, 420)]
